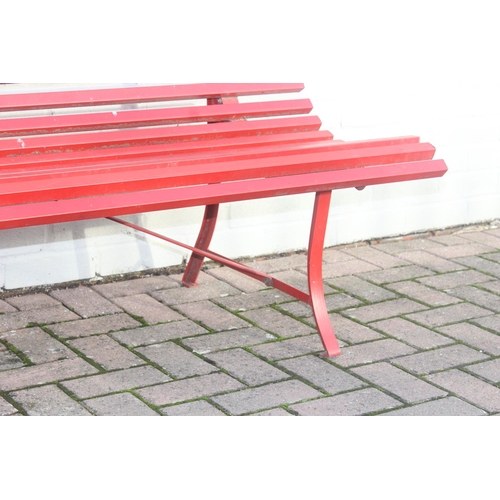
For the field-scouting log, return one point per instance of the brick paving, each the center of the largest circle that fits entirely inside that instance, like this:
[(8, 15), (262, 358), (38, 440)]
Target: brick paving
[(418, 320)]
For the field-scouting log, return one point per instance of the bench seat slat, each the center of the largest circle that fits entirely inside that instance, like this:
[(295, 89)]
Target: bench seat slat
[(151, 117), (134, 95), (166, 174), (33, 214), (215, 147), (107, 167), (152, 135)]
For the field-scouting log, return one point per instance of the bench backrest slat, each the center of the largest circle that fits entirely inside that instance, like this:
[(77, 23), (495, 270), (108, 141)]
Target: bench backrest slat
[(151, 117), (135, 95), (151, 135)]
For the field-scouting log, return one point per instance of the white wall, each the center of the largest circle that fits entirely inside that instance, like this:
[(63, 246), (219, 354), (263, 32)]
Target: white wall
[(372, 69)]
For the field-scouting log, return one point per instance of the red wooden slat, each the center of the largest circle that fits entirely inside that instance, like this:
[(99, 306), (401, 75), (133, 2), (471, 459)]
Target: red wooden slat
[(141, 164), (141, 94), (151, 117), (112, 138), (148, 201), (44, 188), (215, 147)]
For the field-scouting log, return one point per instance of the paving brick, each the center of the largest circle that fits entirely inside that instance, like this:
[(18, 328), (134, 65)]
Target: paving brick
[(466, 342), (37, 345), (337, 302), (449, 314), (470, 388), (6, 308), (175, 360), (495, 231), (85, 302), (106, 352), (212, 316), (334, 302), (158, 333), (422, 293), (6, 409), (237, 279), (275, 412), (23, 319), (277, 323), (264, 397), (227, 340), (412, 334), (93, 326), (8, 360), (194, 409), (439, 359), (247, 367), (453, 252), (147, 308), (397, 247), (398, 382), (296, 279), (455, 279), (431, 261), (289, 348), (20, 378), (483, 237), (495, 256), (475, 337), (249, 301), (32, 301), (296, 308), (489, 370), (49, 401), (349, 404), (280, 263), (491, 322), (483, 265), (117, 381), (383, 310), (478, 297), (135, 286), (370, 352), (190, 388), (396, 274), (344, 268), (374, 256), (120, 405), (322, 374), (333, 255), (211, 289), (352, 332), (449, 240), (492, 286), (361, 288), (445, 407)]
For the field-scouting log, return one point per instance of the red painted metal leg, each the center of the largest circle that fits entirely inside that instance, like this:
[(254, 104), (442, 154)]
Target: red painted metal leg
[(315, 273), (204, 238)]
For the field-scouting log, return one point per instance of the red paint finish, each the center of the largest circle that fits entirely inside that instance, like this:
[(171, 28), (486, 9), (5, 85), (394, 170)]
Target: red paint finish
[(98, 163)]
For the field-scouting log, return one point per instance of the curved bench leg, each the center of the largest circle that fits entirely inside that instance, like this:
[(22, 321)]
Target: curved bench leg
[(204, 238), (315, 273)]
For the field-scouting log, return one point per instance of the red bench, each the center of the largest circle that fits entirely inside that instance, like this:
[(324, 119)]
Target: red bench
[(107, 160)]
